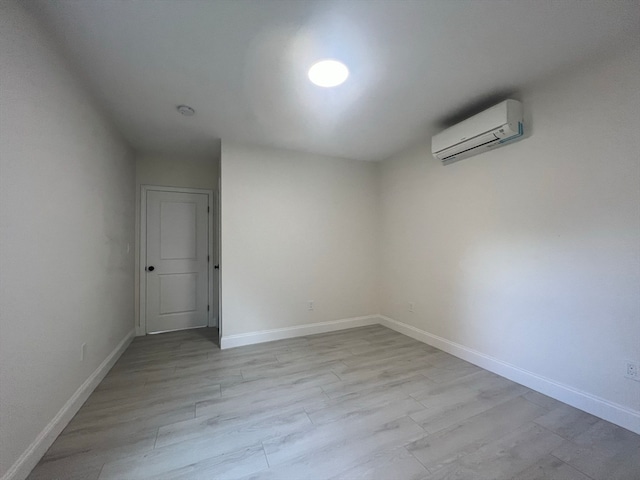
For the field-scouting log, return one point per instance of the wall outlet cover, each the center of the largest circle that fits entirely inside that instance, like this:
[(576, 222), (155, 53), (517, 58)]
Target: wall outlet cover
[(632, 370)]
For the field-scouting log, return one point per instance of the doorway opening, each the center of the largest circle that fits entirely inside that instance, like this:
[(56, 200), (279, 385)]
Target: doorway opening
[(179, 274)]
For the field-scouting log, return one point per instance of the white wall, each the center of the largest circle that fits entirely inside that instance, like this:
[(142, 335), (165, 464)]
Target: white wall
[(295, 228), (170, 171), (67, 233), (176, 171), (530, 254)]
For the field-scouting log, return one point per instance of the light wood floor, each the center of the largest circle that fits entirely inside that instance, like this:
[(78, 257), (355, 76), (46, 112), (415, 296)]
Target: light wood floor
[(366, 403)]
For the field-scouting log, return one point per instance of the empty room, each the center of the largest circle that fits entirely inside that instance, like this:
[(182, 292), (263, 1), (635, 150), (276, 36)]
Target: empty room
[(319, 239)]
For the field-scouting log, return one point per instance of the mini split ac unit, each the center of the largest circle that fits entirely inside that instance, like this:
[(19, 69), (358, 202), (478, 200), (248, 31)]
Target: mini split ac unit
[(485, 131)]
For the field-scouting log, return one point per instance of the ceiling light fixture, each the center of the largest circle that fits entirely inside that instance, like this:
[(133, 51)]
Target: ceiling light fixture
[(328, 73), (186, 110)]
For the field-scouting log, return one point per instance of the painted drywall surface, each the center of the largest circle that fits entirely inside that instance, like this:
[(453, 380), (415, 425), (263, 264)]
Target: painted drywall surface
[(170, 171), (295, 228), (530, 253), (175, 171), (67, 225)]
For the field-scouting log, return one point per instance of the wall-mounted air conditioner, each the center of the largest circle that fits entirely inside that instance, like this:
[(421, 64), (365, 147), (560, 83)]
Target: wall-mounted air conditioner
[(485, 131)]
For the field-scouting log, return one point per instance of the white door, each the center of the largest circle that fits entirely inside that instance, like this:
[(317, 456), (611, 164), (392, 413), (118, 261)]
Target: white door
[(177, 265)]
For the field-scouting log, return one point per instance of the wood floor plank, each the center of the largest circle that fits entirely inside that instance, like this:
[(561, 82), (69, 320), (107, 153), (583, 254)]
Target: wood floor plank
[(173, 455), (455, 402), (385, 465), (293, 367), (358, 430), (193, 462), (451, 444), (363, 403), (408, 382), (346, 412), (262, 427), (148, 401), (551, 468), (603, 452), (284, 397), (503, 458), (335, 451), (67, 470), (96, 448), (566, 421), (542, 400), (359, 403), (266, 385)]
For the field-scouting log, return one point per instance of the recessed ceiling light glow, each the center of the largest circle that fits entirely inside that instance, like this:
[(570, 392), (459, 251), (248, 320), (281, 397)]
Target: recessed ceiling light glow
[(328, 73)]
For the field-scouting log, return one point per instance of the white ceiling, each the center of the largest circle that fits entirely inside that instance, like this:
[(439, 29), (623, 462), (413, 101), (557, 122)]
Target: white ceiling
[(243, 64)]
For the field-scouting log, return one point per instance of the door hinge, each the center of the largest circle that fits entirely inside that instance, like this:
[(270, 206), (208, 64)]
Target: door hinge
[(208, 258), (208, 209), (207, 308)]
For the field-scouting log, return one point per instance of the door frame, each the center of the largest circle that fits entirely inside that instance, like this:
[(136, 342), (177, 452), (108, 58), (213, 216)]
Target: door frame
[(212, 319)]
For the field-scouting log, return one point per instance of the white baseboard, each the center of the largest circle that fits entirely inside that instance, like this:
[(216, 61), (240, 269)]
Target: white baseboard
[(612, 412), (231, 341), (32, 455)]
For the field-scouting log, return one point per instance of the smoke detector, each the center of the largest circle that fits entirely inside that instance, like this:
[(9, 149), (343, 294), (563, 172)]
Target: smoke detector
[(186, 110)]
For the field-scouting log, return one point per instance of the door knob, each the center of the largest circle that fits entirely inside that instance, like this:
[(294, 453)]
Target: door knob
[(217, 267), (151, 268)]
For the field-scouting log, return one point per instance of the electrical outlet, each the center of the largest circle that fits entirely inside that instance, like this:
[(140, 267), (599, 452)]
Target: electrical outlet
[(83, 352), (411, 307), (632, 371), (310, 305)]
